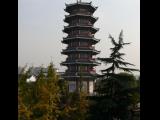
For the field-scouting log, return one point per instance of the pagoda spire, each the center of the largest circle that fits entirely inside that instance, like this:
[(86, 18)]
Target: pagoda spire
[(79, 1)]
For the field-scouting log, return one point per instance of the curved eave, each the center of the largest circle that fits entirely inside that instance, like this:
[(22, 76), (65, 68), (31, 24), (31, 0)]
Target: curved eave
[(80, 63), (69, 76), (67, 40), (78, 76), (89, 6), (91, 28), (69, 17), (66, 52)]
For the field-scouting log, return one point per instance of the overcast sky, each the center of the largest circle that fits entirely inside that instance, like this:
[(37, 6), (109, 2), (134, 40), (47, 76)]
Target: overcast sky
[(40, 24)]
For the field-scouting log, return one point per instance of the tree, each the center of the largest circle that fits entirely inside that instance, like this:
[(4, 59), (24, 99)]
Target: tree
[(54, 96), (115, 92), (24, 108), (75, 107), (39, 100)]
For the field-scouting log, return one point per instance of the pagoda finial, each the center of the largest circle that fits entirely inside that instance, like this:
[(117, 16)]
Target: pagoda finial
[(79, 1)]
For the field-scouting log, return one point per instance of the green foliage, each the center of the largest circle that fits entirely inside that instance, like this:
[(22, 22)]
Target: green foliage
[(41, 99), (48, 98), (117, 93), (75, 106), (116, 58), (116, 98)]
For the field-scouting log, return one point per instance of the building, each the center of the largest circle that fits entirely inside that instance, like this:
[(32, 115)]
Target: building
[(34, 72), (80, 49), (31, 79)]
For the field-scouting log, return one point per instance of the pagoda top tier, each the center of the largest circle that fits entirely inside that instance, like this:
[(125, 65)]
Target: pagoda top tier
[(78, 4)]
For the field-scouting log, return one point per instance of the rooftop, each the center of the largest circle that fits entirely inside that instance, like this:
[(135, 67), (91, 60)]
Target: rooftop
[(88, 5)]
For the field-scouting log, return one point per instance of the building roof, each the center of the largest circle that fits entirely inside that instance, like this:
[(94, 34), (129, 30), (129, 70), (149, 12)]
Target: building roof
[(70, 17), (79, 49), (36, 70), (87, 5), (92, 29), (31, 79), (74, 38)]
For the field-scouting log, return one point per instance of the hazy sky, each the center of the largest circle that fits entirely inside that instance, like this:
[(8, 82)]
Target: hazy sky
[(40, 24)]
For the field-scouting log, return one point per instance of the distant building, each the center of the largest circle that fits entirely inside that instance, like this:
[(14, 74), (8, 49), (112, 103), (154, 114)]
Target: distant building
[(34, 72), (31, 79)]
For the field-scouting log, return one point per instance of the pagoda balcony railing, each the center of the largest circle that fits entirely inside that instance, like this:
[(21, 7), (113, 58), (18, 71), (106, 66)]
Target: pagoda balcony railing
[(78, 73), (80, 47), (80, 12), (80, 35), (80, 60), (68, 49), (82, 71), (69, 28), (72, 49), (66, 16), (80, 24), (88, 36)]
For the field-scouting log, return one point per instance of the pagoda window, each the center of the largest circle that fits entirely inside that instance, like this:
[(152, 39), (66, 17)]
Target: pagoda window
[(73, 68), (73, 44), (84, 86), (84, 56), (74, 22), (84, 22), (75, 56), (85, 44), (84, 32), (91, 86), (72, 86), (79, 55), (82, 68), (72, 56), (82, 10), (74, 11), (85, 11)]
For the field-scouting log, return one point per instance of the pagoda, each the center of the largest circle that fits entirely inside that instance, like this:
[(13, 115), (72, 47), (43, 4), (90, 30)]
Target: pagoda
[(80, 49)]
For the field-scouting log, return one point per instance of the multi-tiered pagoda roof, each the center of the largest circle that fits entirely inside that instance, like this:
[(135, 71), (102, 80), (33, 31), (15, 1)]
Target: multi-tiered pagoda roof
[(80, 40)]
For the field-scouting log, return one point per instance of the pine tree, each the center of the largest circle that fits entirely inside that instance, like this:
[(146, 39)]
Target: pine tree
[(114, 91)]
